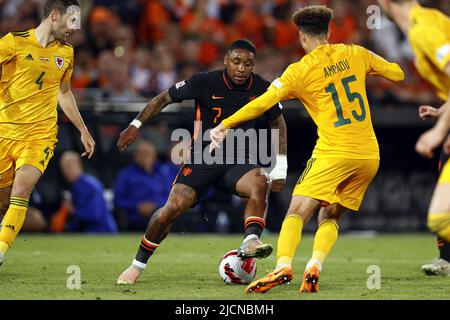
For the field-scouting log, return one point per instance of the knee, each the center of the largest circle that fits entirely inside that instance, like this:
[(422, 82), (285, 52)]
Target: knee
[(170, 212), (260, 188), (331, 216)]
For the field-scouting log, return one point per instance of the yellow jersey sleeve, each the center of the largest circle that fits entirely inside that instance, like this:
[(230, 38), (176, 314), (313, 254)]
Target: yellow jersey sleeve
[(68, 73), (378, 66), (252, 110), (7, 48), (281, 89), (437, 46), (284, 87)]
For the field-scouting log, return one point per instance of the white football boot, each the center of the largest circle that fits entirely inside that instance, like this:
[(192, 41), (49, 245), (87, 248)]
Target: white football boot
[(438, 267)]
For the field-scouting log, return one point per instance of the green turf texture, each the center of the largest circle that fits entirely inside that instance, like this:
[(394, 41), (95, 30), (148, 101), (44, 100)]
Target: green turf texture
[(186, 267)]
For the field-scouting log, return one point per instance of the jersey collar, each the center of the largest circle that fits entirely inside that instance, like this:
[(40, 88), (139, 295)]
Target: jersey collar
[(231, 86)]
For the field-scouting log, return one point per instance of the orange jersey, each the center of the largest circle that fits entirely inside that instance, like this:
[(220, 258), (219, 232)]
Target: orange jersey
[(29, 86)]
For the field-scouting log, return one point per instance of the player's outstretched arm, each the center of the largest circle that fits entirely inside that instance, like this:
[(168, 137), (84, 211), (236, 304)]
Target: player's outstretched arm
[(68, 105), (279, 172), (378, 66), (250, 111), (152, 108)]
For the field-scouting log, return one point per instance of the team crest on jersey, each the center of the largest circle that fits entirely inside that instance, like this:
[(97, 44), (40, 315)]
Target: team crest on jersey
[(59, 62)]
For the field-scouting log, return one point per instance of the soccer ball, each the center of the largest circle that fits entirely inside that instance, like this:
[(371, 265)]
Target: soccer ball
[(233, 270)]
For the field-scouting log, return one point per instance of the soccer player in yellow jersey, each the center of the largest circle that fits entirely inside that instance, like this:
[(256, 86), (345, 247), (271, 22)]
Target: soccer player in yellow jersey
[(330, 81), (36, 66), (428, 31)]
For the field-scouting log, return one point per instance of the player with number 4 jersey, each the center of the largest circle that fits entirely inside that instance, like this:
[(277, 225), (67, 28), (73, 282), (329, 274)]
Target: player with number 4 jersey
[(35, 68), (330, 82)]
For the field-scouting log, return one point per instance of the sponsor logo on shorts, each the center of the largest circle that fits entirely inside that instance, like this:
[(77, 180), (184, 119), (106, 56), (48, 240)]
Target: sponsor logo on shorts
[(186, 171)]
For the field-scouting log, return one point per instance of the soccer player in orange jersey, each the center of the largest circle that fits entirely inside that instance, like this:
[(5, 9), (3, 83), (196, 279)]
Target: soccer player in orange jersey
[(428, 32), (36, 66), (330, 82)]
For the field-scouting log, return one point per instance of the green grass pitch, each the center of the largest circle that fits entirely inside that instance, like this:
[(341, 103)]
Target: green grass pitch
[(186, 267)]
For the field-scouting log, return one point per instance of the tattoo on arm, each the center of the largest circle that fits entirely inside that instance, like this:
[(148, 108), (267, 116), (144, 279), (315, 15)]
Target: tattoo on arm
[(155, 106), (280, 124)]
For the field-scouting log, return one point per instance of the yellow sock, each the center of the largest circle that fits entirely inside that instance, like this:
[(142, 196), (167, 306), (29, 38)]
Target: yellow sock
[(440, 224), (12, 222), (325, 238), (290, 235)]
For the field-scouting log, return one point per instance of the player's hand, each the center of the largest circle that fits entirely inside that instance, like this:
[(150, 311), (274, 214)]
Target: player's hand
[(428, 112), (127, 137), (217, 135), (429, 141), (277, 185), (88, 143)]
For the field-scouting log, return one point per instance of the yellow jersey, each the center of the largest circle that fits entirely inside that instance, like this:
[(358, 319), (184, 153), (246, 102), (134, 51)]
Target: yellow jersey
[(330, 81), (30, 80), (429, 36)]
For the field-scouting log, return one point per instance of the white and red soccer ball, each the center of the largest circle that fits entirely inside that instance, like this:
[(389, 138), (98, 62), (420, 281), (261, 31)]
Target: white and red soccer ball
[(234, 270)]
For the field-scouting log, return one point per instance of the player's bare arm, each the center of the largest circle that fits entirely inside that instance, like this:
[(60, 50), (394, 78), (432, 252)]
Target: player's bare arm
[(278, 174), (68, 104), (152, 108), (431, 139)]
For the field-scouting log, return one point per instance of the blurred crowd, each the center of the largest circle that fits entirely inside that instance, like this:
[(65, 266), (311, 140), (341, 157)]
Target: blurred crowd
[(131, 50)]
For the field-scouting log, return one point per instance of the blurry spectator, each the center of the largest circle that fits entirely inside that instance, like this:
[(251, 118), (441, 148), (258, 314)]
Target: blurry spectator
[(86, 206), (344, 25), (84, 71), (153, 22), (141, 188), (282, 30), (117, 86), (102, 22), (123, 41), (166, 73), (141, 73), (104, 63)]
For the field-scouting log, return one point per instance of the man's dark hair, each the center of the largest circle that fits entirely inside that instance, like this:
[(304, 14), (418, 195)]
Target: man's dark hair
[(313, 20), (242, 44), (60, 5)]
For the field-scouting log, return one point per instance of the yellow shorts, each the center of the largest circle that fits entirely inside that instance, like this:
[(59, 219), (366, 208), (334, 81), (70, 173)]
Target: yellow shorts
[(333, 180), (14, 154), (445, 174)]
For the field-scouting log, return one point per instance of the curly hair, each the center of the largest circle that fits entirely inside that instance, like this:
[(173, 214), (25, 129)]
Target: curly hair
[(313, 20)]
